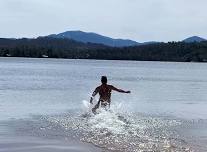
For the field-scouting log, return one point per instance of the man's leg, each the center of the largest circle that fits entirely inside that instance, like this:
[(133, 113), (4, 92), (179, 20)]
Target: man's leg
[(96, 107)]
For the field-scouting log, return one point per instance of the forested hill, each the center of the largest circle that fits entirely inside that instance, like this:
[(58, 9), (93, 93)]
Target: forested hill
[(65, 48), (45, 46)]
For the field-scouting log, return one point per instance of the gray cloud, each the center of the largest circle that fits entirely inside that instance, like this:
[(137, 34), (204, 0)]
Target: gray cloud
[(141, 20)]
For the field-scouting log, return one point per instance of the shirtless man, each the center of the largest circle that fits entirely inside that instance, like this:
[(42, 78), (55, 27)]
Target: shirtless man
[(104, 91)]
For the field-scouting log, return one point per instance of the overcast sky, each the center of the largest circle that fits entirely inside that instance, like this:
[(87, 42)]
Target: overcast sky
[(140, 20)]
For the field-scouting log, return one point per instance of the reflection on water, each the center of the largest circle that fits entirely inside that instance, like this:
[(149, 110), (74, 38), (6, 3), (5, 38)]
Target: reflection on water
[(114, 130)]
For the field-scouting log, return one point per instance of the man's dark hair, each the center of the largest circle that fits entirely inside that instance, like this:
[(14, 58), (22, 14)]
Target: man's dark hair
[(104, 79)]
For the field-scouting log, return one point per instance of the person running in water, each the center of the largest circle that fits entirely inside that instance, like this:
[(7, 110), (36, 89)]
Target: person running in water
[(104, 91)]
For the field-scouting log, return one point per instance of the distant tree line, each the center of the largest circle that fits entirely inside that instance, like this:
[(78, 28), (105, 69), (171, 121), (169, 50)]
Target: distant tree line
[(65, 48)]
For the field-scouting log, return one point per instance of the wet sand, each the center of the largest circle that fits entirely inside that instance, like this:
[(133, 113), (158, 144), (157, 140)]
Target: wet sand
[(15, 137), (12, 140), (33, 144), (195, 134)]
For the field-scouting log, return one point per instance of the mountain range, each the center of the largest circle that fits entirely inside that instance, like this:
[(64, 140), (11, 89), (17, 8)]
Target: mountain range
[(194, 39), (62, 47), (89, 37), (94, 38)]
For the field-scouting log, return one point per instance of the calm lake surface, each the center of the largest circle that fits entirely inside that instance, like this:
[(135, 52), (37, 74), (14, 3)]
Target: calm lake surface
[(46, 100)]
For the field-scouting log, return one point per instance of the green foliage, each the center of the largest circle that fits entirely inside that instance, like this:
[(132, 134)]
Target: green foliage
[(65, 48)]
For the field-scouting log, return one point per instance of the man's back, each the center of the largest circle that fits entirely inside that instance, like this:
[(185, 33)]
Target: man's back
[(104, 91)]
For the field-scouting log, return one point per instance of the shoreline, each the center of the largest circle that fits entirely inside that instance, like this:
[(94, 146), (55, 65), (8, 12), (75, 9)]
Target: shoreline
[(38, 144), (194, 62), (192, 135)]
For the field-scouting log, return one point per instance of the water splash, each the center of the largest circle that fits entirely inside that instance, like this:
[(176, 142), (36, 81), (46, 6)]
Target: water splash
[(114, 129), (121, 131)]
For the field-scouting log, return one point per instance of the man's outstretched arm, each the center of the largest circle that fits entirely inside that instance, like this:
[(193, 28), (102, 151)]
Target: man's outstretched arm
[(93, 95), (119, 90)]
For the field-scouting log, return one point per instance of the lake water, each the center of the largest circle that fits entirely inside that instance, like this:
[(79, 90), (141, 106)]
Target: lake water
[(43, 106)]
